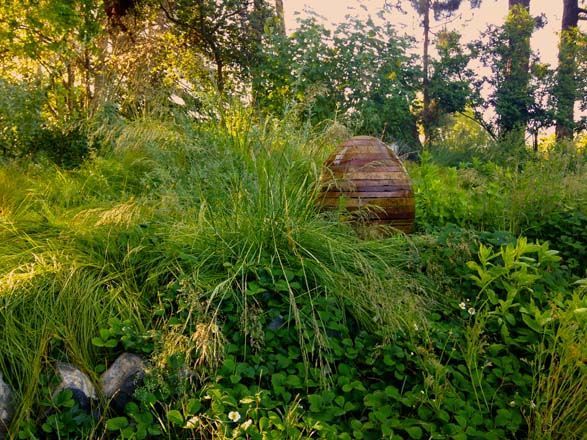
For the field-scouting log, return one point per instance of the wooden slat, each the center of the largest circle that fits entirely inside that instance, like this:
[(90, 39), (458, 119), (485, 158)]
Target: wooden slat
[(364, 183), (368, 180), (346, 161), (396, 176), (396, 204), (385, 188), (376, 167), (403, 193), (360, 148), (381, 155), (373, 187)]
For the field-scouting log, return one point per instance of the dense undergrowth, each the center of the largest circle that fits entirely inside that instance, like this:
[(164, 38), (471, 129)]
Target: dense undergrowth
[(200, 247)]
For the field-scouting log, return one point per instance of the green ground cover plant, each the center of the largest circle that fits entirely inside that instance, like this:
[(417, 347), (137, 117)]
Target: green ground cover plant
[(200, 247)]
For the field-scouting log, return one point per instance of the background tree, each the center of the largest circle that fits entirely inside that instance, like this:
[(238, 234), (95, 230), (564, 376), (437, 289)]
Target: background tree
[(515, 91), (280, 15), (567, 81), (360, 74), (513, 97), (451, 80), (54, 42), (227, 31), (440, 9)]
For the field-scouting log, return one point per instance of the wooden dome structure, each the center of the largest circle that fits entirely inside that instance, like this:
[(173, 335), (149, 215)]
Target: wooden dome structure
[(365, 177)]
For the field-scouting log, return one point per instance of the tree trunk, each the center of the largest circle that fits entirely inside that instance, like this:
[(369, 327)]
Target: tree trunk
[(70, 96), (87, 78), (219, 72), (566, 89), (258, 23), (280, 17), (258, 20), (426, 116)]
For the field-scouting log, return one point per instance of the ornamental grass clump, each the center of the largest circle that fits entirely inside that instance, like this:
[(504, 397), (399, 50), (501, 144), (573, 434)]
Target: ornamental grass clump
[(170, 201)]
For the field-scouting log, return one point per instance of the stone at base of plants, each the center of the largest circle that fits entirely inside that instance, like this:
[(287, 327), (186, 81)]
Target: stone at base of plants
[(78, 382), (6, 407), (120, 381)]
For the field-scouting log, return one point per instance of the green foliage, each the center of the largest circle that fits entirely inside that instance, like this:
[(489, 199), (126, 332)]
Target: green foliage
[(162, 219), (21, 121), (138, 423), (200, 246), (450, 82), (518, 80), (515, 284), (560, 377), (358, 73), (565, 230), (520, 198), (92, 253), (453, 377), (53, 45), (123, 332), (229, 33)]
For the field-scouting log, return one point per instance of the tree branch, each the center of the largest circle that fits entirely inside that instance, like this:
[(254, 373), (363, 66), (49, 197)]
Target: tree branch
[(169, 15), (223, 18), (481, 123)]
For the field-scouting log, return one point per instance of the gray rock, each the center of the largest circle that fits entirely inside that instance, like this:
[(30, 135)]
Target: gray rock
[(6, 407), (276, 323), (121, 380), (79, 383)]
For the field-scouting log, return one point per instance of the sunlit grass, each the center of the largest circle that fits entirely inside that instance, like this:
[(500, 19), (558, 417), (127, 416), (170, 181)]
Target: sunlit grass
[(176, 200)]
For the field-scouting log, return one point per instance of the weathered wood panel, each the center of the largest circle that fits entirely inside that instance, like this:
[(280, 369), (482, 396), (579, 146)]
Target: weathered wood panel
[(365, 177)]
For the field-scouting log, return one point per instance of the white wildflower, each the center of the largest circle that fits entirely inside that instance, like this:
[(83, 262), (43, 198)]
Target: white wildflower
[(192, 423), (471, 311), (462, 305), (234, 416)]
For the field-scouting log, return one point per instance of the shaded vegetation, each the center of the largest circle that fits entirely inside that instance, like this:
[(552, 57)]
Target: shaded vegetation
[(158, 195)]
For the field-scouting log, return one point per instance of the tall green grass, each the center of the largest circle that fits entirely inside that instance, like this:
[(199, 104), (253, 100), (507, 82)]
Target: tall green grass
[(486, 196), (169, 200)]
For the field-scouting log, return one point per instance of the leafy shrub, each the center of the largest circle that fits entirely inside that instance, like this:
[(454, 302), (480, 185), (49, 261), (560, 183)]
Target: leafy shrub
[(484, 196), (21, 121), (26, 131), (200, 246), (566, 231)]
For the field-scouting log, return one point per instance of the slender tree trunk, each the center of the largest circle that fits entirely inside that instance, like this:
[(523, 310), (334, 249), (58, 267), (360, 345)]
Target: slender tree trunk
[(87, 78), (524, 57), (280, 17), (426, 116), (258, 20), (258, 24), (219, 72), (566, 89), (70, 89)]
